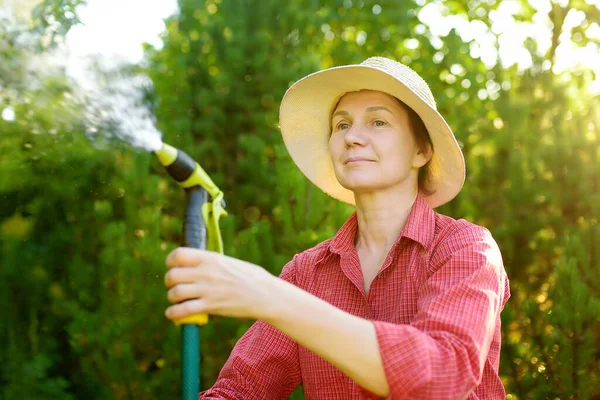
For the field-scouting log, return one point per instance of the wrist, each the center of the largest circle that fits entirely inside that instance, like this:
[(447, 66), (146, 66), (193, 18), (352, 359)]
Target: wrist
[(278, 301), (268, 298)]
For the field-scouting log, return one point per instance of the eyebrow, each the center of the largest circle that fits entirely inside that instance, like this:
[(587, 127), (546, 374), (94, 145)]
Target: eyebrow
[(341, 112), (370, 109)]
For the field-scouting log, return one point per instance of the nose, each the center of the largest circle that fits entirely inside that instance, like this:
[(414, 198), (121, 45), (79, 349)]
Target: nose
[(355, 136)]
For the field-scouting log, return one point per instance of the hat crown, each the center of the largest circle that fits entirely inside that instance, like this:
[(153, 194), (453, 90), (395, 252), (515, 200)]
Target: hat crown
[(404, 74)]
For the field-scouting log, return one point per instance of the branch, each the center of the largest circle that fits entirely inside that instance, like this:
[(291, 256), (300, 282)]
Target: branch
[(557, 15)]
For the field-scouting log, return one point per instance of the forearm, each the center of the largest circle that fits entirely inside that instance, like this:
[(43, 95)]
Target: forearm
[(346, 341)]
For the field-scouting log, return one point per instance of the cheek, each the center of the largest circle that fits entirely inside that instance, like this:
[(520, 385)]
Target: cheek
[(334, 146), (398, 153)]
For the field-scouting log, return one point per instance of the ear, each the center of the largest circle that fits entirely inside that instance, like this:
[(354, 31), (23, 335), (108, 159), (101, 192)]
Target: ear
[(422, 156)]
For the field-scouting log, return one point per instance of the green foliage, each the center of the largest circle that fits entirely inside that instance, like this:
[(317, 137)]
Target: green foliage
[(85, 226), (53, 19)]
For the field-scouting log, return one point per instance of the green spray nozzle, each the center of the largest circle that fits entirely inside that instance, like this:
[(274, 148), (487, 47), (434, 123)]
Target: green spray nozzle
[(189, 174), (186, 172)]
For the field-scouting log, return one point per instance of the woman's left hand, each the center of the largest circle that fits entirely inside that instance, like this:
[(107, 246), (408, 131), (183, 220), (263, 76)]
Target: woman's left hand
[(201, 281)]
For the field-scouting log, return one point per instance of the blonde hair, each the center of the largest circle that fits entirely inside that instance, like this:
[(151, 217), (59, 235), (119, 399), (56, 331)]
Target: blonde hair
[(424, 142)]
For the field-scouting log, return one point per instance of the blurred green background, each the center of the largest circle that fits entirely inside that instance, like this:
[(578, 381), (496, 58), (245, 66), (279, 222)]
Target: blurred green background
[(85, 224)]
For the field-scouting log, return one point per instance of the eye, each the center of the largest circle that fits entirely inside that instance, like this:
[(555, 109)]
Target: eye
[(342, 126), (380, 123)]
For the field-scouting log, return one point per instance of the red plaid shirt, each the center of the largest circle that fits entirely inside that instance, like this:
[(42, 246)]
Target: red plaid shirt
[(435, 305)]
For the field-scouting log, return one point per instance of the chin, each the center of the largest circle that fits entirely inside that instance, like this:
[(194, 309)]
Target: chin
[(361, 186), (368, 183)]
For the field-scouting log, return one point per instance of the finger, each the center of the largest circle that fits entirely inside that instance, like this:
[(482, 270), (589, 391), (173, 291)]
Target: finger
[(186, 309), (178, 275), (187, 257), (184, 291)]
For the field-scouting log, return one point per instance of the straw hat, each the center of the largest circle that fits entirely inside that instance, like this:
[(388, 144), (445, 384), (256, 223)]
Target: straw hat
[(306, 108)]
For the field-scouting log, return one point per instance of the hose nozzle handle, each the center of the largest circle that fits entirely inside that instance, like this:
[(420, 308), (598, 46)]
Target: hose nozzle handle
[(185, 170)]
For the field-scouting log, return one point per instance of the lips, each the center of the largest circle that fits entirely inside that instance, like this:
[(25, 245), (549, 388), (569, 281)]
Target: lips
[(356, 160)]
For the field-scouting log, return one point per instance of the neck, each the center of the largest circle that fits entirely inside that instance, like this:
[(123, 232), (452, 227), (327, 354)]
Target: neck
[(381, 218)]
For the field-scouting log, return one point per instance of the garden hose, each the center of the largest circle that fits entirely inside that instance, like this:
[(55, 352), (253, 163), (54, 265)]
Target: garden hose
[(200, 216)]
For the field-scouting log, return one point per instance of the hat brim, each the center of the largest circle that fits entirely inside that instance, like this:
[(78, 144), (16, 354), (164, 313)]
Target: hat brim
[(304, 120)]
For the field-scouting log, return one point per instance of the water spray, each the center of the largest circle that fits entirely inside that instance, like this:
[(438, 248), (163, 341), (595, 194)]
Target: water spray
[(201, 216)]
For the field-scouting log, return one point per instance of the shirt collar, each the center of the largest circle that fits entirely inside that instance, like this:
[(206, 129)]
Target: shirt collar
[(420, 227)]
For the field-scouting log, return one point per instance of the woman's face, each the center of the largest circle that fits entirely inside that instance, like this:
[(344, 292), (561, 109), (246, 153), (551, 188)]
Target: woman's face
[(371, 143)]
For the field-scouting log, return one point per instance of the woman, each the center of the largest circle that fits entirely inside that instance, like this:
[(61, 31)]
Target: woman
[(403, 302)]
